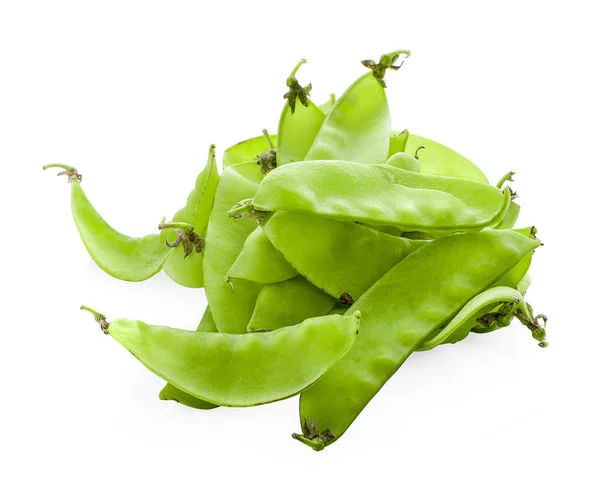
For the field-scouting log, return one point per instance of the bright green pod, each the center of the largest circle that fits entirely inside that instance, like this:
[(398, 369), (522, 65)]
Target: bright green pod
[(124, 257), (289, 303), (455, 268), (170, 392), (343, 259), (439, 160), (380, 194), (238, 369), (225, 239), (398, 142), (186, 268), (404, 161), (260, 262), (248, 150), (358, 126)]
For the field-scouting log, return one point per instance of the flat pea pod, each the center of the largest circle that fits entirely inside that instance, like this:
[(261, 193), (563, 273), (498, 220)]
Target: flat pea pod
[(207, 323), (247, 150), (124, 257), (260, 262), (511, 217), (289, 303), (238, 370), (358, 126), (380, 194), (170, 392), (184, 266), (399, 312), (231, 310), (505, 300), (398, 142), (343, 259), (404, 161), (524, 283), (514, 276), (297, 127), (439, 160)]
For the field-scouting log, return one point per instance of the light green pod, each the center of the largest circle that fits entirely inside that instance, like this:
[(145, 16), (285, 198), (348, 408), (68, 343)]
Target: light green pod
[(207, 323), (358, 126), (298, 126), (342, 258), (398, 313), (514, 276), (187, 270), (260, 262), (524, 284), (439, 160), (511, 216), (170, 392), (289, 303), (247, 150), (238, 370), (380, 194), (404, 161), (123, 257), (398, 142), (225, 238)]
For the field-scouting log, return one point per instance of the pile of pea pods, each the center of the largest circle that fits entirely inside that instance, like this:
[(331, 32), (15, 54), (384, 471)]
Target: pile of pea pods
[(329, 252)]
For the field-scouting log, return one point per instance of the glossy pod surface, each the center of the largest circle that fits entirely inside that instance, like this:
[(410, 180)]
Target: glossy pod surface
[(240, 370), (399, 312), (382, 194)]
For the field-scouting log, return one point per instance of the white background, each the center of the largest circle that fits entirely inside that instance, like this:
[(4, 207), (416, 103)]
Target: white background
[(132, 93)]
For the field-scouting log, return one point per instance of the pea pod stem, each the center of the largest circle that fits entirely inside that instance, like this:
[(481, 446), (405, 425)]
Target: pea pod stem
[(98, 317), (315, 444), (291, 80), (506, 177), (184, 226), (67, 170), (268, 138)]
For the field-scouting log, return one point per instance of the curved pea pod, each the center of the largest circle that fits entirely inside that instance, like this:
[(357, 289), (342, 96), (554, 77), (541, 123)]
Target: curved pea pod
[(511, 216), (404, 161), (238, 370), (247, 150), (494, 307), (439, 160), (455, 268), (398, 142), (225, 239), (289, 303), (514, 276), (524, 283), (357, 127), (170, 392), (260, 262), (380, 194), (184, 266), (207, 323), (341, 258), (298, 125), (124, 257)]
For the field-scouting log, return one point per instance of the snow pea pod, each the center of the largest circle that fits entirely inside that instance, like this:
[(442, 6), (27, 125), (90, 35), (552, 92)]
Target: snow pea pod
[(424, 290), (297, 127), (260, 262), (288, 303), (404, 161), (170, 392), (226, 237), (184, 266), (358, 126), (343, 259), (247, 150), (439, 160), (238, 370), (124, 257), (397, 142), (507, 301), (379, 194)]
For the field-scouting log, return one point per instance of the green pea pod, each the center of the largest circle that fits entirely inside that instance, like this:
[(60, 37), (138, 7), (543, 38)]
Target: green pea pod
[(184, 266), (341, 258), (260, 262), (456, 268), (511, 216), (207, 323), (480, 310), (398, 142), (379, 194), (524, 283), (358, 126), (404, 161), (247, 150), (514, 276), (297, 127), (289, 303), (170, 392), (226, 236), (123, 257), (238, 370), (439, 160)]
